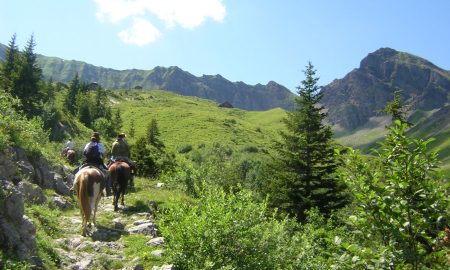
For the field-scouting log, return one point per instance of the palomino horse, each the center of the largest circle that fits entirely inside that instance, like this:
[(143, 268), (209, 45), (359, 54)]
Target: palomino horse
[(70, 155), (119, 172), (87, 185)]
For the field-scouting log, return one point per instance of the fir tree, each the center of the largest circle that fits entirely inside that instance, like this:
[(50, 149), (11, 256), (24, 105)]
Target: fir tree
[(307, 156), (27, 87), (70, 99), (132, 130), (153, 135), (117, 121), (9, 67)]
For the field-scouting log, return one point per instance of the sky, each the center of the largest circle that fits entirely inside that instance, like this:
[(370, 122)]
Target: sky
[(253, 41)]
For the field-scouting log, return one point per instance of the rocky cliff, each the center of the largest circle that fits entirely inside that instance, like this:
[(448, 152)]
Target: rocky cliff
[(352, 100), (21, 181)]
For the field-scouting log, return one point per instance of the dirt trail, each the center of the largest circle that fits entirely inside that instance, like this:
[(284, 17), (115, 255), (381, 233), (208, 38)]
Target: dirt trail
[(104, 247)]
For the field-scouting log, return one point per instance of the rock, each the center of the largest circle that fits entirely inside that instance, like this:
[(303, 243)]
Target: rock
[(60, 186), (158, 241), (142, 221), (138, 267), (13, 209), (118, 223), (7, 167), (146, 229), (26, 169), (158, 253), (164, 267), (61, 203), (17, 231), (44, 176), (31, 192)]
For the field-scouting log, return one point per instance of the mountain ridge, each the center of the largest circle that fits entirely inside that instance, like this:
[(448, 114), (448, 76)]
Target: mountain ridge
[(364, 91)]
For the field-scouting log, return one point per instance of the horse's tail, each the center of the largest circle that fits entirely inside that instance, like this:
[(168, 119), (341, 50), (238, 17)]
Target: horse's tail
[(83, 195), (123, 175)]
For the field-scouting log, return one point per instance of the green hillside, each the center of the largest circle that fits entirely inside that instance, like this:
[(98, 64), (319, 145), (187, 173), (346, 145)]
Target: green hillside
[(184, 120)]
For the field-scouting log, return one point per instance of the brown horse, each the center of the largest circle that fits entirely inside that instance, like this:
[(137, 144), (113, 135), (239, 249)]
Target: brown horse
[(87, 185), (70, 156), (119, 172)]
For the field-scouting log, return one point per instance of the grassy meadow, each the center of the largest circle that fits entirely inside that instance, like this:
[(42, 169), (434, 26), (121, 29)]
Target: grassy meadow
[(184, 120)]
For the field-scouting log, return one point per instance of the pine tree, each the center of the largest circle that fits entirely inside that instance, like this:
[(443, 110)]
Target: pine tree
[(307, 156), (153, 135), (27, 85), (70, 99), (10, 66), (117, 121), (132, 130)]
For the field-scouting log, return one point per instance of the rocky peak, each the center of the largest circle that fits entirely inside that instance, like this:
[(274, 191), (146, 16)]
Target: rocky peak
[(352, 100)]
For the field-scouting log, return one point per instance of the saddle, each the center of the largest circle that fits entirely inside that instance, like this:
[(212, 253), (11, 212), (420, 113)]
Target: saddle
[(96, 166)]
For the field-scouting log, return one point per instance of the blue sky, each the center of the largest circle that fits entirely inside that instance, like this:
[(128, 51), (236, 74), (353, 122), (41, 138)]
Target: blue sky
[(254, 41)]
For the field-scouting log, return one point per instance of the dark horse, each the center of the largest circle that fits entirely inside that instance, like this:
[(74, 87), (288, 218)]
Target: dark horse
[(70, 155), (119, 172), (88, 188)]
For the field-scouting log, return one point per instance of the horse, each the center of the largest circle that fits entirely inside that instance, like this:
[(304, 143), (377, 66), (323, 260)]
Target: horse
[(70, 155), (88, 188), (119, 173)]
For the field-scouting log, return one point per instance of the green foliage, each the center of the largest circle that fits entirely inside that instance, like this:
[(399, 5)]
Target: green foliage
[(70, 98), (104, 126), (306, 156), (16, 129), (47, 224), (227, 231), (186, 148), (153, 135), (150, 161), (117, 121), (132, 130), (11, 262), (400, 202)]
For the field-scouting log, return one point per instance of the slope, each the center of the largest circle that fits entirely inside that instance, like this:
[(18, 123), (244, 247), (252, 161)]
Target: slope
[(184, 120)]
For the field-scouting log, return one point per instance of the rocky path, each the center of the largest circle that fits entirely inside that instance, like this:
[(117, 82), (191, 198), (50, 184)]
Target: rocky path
[(106, 245)]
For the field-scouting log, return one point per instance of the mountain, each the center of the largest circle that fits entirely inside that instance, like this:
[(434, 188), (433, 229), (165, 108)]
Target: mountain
[(174, 79), (354, 99), (217, 88), (2, 51)]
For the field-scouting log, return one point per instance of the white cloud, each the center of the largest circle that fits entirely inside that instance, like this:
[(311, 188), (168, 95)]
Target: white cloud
[(141, 33), (188, 14)]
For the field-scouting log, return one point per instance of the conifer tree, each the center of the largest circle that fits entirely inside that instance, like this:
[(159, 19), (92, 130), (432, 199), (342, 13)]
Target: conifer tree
[(307, 156), (69, 101), (153, 135), (27, 86), (132, 130), (117, 121), (9, 67)]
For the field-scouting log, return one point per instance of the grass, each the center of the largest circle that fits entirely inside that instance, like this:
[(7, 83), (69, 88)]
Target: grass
[(193, 121)]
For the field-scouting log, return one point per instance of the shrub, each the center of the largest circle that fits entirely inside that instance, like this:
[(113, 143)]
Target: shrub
[(184, 149), (227, 231)]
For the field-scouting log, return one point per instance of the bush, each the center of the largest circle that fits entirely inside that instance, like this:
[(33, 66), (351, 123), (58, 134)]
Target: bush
[(227, 231), (17, 130), (185, 149)]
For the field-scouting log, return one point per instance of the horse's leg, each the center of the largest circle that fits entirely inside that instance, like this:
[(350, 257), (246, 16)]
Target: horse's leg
[(96, 205), (116, 199), (83, 226)]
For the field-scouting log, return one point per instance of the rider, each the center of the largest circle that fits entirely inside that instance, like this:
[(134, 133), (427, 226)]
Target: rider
[(69, 146), (121, 151)]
